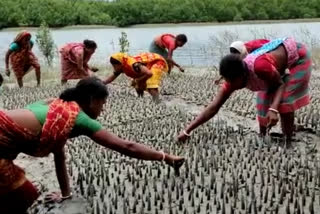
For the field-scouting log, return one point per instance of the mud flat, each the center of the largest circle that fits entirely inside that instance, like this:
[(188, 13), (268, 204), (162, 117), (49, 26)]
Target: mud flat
[(228, 168)]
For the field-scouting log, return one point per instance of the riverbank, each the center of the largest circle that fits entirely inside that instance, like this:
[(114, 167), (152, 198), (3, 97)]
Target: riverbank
[(247, 22)]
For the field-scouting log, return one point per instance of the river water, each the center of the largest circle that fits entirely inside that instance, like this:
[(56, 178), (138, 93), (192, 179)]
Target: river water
[(206, 43)]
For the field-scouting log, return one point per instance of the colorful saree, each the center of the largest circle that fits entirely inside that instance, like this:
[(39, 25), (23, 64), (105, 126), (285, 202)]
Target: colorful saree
[(154, 62), (15, 139), (23, 59), (296, 94), (70, 53)]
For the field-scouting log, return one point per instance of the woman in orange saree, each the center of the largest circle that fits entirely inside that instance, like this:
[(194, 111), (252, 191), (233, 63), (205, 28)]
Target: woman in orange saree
[(22, 58)]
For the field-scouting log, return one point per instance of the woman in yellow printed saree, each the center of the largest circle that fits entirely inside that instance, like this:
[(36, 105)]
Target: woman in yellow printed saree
[(146, 70)]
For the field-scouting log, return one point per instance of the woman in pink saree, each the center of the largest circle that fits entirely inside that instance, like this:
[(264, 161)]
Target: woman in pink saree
[(74, 60)]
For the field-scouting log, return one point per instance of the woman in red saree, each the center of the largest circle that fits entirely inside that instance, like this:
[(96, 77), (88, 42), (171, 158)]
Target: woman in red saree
[(74, 60), (44, 127), (22, 58), (279, 71)]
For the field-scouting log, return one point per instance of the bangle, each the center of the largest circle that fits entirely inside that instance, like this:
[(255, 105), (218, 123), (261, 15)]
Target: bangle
[(274, 110), (163, 155), (185, 133), (66, 197)]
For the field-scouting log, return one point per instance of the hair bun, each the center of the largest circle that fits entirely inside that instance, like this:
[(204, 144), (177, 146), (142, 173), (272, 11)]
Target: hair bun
[(69, 94)]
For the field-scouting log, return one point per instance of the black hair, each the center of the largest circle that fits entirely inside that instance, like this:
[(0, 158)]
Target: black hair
[(85, 90), (90, 44), (182, 38), (232, 67), (234, 50), (113, 61)]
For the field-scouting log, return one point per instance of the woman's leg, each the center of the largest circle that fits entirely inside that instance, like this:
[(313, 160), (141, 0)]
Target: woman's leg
[(35, 64), (154, 92), (38, 75), (154, 82), (67, 70), (263, 130), (287, 125), (262, 105), (33, 61), (19, 200), (20, 82), (63, 82)]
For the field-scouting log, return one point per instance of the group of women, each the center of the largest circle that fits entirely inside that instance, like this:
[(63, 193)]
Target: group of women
[(45, 126), (146, 69), (279, 70)]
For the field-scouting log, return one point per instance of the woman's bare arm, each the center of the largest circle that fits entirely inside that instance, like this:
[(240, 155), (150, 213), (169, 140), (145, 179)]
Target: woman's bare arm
[(146, 74), (110, 78), (9, 52), (61, 171), (210, 111), (135, 150), (275, 83)]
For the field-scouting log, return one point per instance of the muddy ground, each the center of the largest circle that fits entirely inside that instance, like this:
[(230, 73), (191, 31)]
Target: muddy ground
[(224, 153)]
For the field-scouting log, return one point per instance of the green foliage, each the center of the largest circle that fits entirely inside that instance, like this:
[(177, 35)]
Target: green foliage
[(128, 12), (56, 13), (46, 43), (238, 17), (124, 43)]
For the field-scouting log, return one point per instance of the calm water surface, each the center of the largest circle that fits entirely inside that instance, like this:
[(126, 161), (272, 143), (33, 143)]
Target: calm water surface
[(206, 42)]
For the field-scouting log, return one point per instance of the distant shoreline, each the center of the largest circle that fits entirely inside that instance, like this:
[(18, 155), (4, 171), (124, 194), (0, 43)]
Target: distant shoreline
[(72, 27)]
